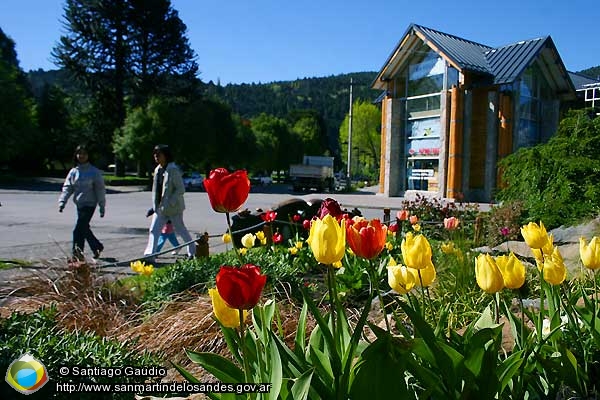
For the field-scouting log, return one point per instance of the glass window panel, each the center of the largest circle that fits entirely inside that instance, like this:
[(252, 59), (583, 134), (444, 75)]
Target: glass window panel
[(423, 106)]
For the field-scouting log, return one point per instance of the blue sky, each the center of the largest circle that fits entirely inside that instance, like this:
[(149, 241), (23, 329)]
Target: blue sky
[(241, 41)]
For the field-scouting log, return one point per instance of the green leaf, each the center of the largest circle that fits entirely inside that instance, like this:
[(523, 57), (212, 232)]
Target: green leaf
[(509, 368), (381, 370), (321, 362), (185, 373), (223, 369), (300, 339), (301, 387), (276, 372)]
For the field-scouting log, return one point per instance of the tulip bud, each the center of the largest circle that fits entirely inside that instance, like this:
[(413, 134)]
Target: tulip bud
[(535, 235), (488, 276), (416, 251), (590, 253), (512, 270)]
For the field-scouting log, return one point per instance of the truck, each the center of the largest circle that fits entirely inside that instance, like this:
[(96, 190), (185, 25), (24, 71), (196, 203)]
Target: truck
[(315, 172)]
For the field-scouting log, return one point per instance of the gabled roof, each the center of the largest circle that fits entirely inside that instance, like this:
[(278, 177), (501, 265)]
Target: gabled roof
[(504, 64), (579, 80)]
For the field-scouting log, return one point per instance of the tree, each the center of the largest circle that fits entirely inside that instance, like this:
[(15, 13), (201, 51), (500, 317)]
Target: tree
[(310, 130), (54, 121), (366, 136), (119, 47), (275, 143), (18, 132)]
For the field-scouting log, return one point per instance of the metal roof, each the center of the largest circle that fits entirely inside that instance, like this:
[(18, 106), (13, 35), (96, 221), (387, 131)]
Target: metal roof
[(467, 54), (505, 64), (579, 81)]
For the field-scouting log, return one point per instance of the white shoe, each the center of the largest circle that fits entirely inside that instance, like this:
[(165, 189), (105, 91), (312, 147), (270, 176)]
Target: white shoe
[(175, 252)]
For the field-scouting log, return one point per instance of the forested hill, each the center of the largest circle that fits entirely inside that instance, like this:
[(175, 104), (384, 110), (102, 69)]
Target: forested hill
[(329, 96), (593, 72)]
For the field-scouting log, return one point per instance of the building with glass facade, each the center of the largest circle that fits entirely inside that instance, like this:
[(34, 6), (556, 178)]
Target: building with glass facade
[(453, 107)]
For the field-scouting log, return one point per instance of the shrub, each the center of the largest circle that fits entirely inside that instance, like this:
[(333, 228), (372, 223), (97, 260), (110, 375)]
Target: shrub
[(558, 182), (503, 222)]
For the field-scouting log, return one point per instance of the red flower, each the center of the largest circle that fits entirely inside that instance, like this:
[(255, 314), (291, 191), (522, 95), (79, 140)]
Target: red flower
[(277, 238), (393, 227), (366, 238), (306, 224), (227, 191), (330, 206), (296, 217), (269, 216), (240, 287)]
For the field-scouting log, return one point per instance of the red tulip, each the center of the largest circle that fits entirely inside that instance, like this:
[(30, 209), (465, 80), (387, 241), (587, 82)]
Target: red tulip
[(306, 224), (296, 217), (366, 238), (269, 216), (227, 191), (393, 227), (240, 287), (277, 238), (330, 206)]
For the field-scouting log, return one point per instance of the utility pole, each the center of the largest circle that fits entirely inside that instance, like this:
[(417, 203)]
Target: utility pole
[(349, 169)]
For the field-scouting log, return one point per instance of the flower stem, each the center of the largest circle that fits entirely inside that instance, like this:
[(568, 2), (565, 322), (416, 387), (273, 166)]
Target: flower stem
[(375, 285), (243, 346), (237, 252)]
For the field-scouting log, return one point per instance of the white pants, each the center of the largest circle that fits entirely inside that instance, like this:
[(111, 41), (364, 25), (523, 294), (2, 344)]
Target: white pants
[(158, 221)]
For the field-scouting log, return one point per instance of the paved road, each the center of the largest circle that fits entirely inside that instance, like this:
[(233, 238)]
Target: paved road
[(33, 230)]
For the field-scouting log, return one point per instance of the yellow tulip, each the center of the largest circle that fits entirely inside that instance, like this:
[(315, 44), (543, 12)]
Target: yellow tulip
[(137, 266), (229, 317), (148, 270), (299, 245), (590, 253), (427, 275), (554, 268), (448, 248), (416, 251), (248, 240), (389, 246), (327, 239), (488, 276), (226, 238), (293, 250), (535, 235), (512, 270), (337, 264), (400, 279)]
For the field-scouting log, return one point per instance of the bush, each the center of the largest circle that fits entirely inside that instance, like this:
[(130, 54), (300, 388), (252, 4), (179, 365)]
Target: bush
[(503, 222), (38, 335), (558, 182)]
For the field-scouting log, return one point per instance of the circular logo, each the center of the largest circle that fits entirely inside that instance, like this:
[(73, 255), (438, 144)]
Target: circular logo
[(26, 374)]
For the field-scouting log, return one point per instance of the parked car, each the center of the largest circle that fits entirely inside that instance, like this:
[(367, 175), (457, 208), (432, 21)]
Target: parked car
[(261, 180), (193, 180)]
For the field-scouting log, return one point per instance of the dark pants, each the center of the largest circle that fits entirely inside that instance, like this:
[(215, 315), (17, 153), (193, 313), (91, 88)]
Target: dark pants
[(82, 231)]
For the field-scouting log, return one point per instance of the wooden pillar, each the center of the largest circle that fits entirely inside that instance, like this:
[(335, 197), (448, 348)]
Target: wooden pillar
[(491, 146), (505, 132), (202, 246), (455, 144), (384, 133)]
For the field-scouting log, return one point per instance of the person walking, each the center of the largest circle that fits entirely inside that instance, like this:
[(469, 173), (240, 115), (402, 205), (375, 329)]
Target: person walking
[(168, 204), (85, 183), (167, 233)]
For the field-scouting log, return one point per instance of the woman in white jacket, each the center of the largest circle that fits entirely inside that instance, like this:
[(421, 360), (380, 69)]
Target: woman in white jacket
[(168, 203)]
